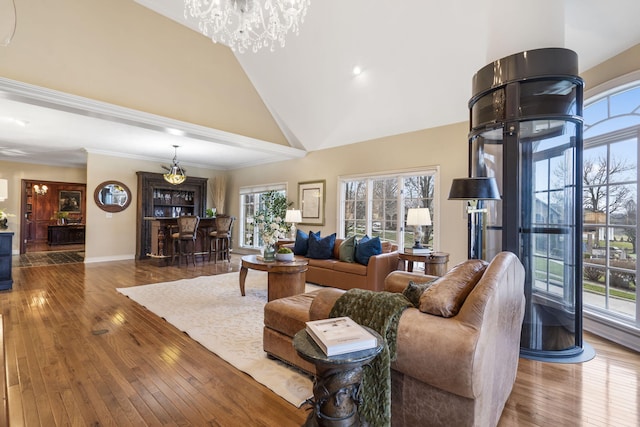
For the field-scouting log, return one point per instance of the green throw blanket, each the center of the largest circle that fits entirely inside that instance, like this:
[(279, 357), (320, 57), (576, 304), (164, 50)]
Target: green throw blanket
[(381, 312)]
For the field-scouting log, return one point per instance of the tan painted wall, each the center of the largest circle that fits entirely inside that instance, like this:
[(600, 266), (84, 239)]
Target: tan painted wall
[(444, 146), (114, 237), (621, 64), (119, 52)]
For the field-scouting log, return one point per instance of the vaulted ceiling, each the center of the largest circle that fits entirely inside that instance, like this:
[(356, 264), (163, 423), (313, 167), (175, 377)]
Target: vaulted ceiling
[(417, 59)]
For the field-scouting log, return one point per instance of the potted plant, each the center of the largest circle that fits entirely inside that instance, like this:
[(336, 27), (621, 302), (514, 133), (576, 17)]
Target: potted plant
[(284, 254), (61, 217), (4, 217), (270, 222)]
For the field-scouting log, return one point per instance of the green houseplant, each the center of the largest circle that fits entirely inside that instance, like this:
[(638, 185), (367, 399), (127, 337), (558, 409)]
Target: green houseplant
[(61, 217), (4, 217), (284, 254), (269, 221)]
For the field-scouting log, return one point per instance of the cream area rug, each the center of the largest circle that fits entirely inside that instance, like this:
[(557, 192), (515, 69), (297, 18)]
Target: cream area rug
[(211, 310)]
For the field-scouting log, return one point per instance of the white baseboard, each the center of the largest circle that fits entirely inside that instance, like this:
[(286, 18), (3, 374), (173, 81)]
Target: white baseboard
[(617, 332), (109, 258)]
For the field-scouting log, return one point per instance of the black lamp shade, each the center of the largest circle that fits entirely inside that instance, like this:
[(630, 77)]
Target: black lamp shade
[(483, 188)]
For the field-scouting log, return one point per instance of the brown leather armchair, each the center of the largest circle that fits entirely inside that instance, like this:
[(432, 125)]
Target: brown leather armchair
[(456, 370)]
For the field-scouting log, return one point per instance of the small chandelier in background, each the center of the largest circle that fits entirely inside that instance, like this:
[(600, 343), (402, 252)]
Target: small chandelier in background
[(176, 174), (244, 24), (40, 190)]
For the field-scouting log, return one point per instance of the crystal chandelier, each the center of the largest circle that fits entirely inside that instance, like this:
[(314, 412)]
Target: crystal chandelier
[(176, 174), (244, 24)]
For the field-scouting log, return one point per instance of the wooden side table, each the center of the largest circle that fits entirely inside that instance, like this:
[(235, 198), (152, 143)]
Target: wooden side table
[(337, 383), (435, 263), (284, 242)]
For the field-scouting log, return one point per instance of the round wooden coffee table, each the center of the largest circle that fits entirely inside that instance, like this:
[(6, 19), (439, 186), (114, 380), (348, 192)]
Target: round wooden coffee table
[(284, 279)]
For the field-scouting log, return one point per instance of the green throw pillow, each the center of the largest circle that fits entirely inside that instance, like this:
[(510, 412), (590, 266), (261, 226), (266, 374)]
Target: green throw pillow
[(348, 249), (413, 291)]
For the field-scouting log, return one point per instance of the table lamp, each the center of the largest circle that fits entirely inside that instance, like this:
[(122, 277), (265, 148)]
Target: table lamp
[(4, 190), (293, 216), (417, 217)]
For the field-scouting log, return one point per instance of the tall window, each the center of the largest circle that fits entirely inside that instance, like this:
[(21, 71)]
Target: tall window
[(251, 200), (377, 205), (609, 202)]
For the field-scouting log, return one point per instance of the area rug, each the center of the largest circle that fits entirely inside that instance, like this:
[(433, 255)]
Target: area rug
[(211, 310)]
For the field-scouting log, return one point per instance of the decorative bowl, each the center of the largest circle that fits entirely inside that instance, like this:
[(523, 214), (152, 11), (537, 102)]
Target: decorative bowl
[(285, 257)]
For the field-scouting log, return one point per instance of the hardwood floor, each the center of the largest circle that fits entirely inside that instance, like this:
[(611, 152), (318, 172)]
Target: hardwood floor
[(79, 353)]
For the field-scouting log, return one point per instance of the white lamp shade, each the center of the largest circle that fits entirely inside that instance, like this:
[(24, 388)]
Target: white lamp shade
[(4, 190), (293, 215), (418, 216)]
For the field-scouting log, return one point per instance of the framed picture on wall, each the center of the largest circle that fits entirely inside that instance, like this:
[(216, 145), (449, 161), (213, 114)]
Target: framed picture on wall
[(70, 201), (311, 202)]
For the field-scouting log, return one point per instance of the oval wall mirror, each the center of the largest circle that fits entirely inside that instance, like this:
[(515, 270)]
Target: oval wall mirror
[(112, 196)]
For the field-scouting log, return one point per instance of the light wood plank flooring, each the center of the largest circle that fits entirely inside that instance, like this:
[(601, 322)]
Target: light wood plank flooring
[(80, 354)]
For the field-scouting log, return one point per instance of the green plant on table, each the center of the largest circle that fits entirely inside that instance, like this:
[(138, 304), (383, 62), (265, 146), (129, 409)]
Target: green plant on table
[(284, 250), (270, 219), (5, 215)]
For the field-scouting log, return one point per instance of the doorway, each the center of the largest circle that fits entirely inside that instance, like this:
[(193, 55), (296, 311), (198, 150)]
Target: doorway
[(52, 216)]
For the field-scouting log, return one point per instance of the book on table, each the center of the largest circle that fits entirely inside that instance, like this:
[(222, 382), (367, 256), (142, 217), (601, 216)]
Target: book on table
[(418, 251), (340, 335)]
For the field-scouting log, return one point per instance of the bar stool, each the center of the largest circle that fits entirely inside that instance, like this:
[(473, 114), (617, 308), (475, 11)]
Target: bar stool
[(187, 232), (220, 240)]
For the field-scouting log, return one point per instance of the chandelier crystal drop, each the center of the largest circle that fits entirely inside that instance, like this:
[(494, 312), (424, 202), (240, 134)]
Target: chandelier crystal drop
[(247, 24), (176, 174)]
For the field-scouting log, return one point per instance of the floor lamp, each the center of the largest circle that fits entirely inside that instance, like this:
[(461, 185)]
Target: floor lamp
[(473, 190)]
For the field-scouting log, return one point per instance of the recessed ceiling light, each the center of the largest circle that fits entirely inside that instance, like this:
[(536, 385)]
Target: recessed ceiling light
[(357, 70), (176, 132)]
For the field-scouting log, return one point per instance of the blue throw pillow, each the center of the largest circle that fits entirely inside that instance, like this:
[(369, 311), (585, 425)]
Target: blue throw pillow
[(365, 249), (321, 248), (301, 245)]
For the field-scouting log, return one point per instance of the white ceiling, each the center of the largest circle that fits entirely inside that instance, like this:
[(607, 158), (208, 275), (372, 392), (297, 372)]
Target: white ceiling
[(417, 58)]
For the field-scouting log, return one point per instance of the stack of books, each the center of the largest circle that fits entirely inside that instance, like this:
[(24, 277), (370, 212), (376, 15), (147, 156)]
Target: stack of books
[(417, 251), (340, 335)]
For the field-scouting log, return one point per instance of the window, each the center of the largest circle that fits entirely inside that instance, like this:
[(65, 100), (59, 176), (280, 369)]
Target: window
[(376, 205), (250, 202), (609, 204)]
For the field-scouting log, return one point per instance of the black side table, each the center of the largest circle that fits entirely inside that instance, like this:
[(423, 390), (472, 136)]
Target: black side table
[(336, 388)]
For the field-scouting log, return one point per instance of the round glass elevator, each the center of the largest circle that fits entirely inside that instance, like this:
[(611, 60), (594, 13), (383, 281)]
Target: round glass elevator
[(526, 131)]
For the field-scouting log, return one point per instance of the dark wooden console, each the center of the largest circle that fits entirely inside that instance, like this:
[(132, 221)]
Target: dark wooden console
[(66, 234)]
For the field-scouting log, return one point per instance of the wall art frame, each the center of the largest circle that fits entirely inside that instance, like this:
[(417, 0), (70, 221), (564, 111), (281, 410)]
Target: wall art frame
[(70, 201), (311, 197)]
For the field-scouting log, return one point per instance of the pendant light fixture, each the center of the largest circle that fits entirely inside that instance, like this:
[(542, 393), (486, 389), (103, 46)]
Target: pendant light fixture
[(176, 174)]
